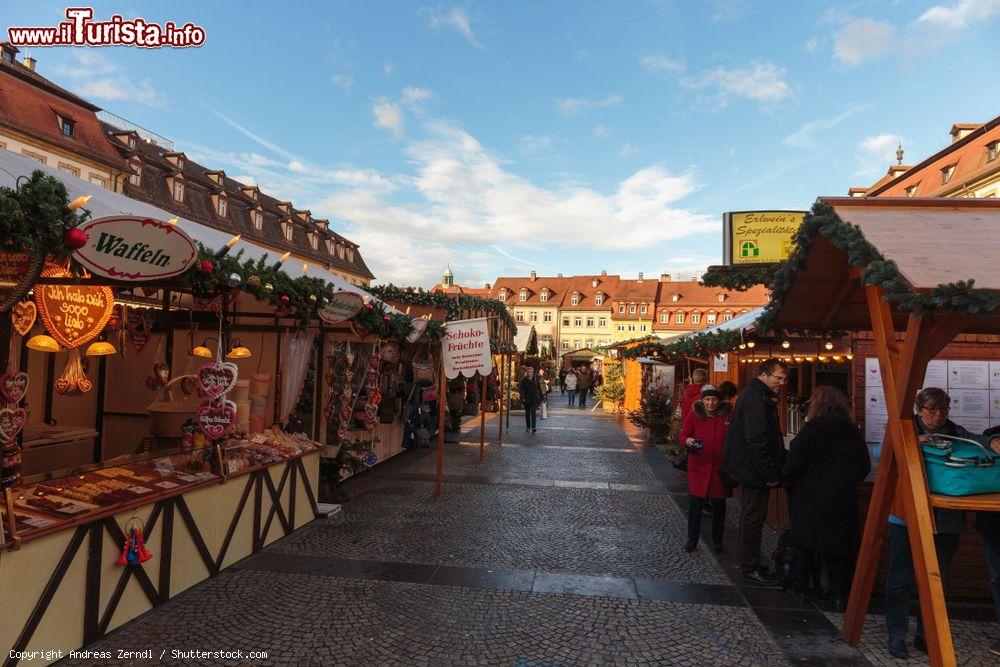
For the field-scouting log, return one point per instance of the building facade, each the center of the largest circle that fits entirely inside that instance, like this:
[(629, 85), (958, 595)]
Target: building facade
[(43, 121), (686, 306), (969, 166), (632, 308), (585, 313)]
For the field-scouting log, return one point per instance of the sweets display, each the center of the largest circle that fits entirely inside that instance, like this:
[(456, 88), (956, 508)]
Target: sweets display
[(242, 452)]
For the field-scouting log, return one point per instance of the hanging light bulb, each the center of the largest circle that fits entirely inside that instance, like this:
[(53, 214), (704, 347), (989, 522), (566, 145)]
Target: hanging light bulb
[(743, 346), (239, 351), (828, 344), (785, 344), (43, 343), (100, 348), (750, 344)]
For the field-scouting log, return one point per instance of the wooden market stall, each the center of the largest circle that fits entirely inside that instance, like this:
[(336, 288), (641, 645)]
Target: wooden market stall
[(916, 274)]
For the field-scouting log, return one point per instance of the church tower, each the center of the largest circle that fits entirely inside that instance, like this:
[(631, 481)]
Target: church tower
[(447, 278)]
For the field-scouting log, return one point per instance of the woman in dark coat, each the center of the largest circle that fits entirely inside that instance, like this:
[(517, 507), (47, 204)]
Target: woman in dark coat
[(825, 463), (706, 424)]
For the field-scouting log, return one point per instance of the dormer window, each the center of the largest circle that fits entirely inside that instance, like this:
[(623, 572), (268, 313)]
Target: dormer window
[(65, 126), (631, 309), (664, 318), (131, 142), (503, 295), (593, 283), (642, 309), (722, 297), (947, 173), (135, 178), (695, 318), (340, 251), (523, 296), (258, 220), (621, 309), (544, 296), (350, 255), (598, 299), (314, 241), (675, 297), (679, 318), (331, 246), (575, 299), (992, 151), (726, 316), (178, 190), (289, 231), (911, 191), (710, 318), (221, 207)]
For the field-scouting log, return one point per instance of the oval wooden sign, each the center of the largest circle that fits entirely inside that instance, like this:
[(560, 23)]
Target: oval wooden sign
[(127, 247), (73, 314), (341, 307)]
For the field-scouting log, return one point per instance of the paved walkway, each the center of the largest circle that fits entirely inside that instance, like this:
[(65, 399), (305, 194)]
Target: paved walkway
[(562, 547)]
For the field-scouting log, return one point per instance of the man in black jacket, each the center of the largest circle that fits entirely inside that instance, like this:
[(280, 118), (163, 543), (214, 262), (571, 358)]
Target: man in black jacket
[(755, 452), (530, 390)]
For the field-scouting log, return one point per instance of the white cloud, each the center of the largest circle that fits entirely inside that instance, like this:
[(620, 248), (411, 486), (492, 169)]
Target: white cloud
[(960, 14), (813, 45), (861, 39), (388, 116), (661, 63), (626, 150), (601, 131), (759, 81), (572, 106), (875, 154), (388, 67), (727, 11), (533, 144), (806, 136), (455, 18), (413, 96), (345, 81), (94, 75)]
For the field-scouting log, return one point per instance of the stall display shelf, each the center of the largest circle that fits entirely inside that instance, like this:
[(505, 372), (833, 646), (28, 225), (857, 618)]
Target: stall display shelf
[(985, 502)]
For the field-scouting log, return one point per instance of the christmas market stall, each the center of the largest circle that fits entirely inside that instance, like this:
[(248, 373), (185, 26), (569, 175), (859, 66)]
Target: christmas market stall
[(166, 401), (918, 281)]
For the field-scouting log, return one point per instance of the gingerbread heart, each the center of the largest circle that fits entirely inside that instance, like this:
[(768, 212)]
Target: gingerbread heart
[(84, 385), (217, 378), (216, 418), (11, 423), (24, 315), (13, 386), (63, 386)]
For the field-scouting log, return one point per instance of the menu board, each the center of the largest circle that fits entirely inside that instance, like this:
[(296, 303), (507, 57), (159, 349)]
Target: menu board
[(973, 385)]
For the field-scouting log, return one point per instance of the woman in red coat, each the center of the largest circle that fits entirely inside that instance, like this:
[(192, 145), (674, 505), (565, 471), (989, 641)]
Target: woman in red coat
[(704, 433)]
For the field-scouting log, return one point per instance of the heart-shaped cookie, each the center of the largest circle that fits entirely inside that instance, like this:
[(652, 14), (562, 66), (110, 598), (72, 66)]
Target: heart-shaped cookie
[(11, 423), (64, 386), (73, 314), (13, 386), (24, 315), (217, 378), (216, 418), (84, 385)]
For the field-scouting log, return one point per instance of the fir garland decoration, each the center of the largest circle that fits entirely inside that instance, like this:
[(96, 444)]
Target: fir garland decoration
[(739, 278), (700, 345), (35, 217)]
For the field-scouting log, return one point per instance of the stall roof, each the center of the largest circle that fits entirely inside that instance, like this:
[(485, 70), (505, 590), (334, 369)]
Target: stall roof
[(104, 202), (521, 338), (742, 322), (933, 242)]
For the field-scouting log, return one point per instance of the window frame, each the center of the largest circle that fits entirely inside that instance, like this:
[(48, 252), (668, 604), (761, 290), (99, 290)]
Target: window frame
[(678, 318)]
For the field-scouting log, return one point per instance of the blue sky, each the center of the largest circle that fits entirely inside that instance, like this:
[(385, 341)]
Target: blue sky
[(560, 136)]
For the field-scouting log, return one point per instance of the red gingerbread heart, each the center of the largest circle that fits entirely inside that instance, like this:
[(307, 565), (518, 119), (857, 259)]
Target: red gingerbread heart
[(217, 378), (13, 386), (11, 423), (216, 418)]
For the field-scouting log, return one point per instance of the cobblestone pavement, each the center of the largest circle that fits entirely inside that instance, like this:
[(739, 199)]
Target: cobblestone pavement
[(562, 548)]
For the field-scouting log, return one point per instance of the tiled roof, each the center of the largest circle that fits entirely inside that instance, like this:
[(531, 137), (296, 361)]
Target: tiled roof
[(698, 298), (637, 290), (198, 204), (557, 290), (29, 103), (968, 155), (586, 292)]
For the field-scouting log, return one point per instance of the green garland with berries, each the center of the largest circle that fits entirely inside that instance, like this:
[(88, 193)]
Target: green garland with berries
[(699, 345), (36, 218)]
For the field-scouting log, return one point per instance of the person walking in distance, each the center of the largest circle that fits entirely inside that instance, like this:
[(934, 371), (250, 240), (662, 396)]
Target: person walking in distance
[(703, 434), (754, 455), (562, 380), (583, 384), (531, 395), (569, 382), (826, 462)]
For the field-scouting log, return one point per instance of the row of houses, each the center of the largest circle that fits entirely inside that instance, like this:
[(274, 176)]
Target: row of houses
[(43, 121)]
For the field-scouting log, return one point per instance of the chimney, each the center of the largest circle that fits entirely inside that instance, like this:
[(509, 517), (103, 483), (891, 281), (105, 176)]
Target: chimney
[(8, 52), (603, 273), (486, 285), (29, 63), (958, 131), (559, 275), (640, 277), (664, 277), (534, 276)]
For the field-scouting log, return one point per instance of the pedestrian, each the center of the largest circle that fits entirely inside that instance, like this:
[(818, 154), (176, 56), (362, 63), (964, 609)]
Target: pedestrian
[(569, 382), (826, 462), (755, 452), (704, 433), (692, 392), (932, 407), (562, 380), (531, 395), (729, 391), (583, 384)]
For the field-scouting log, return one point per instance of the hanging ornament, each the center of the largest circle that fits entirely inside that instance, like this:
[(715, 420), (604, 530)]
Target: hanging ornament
[(159, 377), (75, 238), (234, 280), (253, 282), (268, 288), (117, 317), (140, 328), (24, 315), (205, 266), (370, 458)]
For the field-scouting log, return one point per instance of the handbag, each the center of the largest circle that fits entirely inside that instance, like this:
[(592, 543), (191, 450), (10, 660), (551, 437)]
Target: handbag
[(429, 395), (423, 371), (681, 459), (961, 466)]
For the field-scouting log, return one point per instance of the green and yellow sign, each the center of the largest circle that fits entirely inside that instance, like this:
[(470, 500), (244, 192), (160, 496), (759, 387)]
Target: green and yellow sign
[(759, 237)]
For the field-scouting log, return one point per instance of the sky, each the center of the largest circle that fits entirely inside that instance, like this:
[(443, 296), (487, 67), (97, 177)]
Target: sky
[(563, 136)]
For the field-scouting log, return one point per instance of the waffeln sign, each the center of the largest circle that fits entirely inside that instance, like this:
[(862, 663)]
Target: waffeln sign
[(126, 247), (341, 307), (465, 348)]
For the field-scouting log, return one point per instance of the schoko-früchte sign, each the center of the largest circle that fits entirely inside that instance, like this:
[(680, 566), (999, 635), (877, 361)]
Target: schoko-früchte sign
[(465, 348), (126, 247), (341, 307)]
